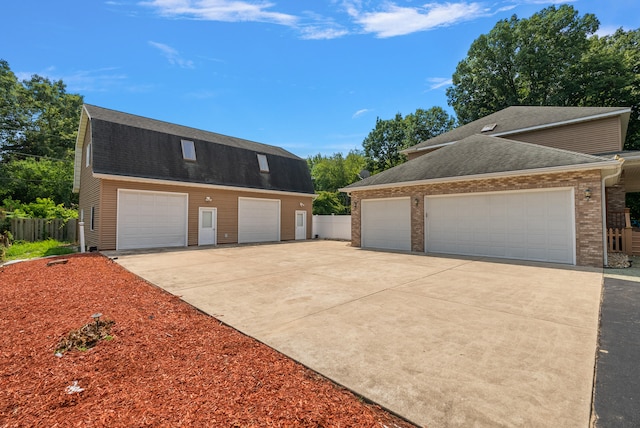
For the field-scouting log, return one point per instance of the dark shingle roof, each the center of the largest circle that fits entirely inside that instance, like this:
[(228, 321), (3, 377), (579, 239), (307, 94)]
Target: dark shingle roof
[(135, 146), (477, 155), (517, 118)]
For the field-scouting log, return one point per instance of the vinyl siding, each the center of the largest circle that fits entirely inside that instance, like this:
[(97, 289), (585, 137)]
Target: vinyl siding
[(226, 202), (593, 137), (89, 196)]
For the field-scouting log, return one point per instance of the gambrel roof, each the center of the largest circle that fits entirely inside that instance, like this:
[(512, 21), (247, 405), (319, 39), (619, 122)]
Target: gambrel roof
[(126, 145)]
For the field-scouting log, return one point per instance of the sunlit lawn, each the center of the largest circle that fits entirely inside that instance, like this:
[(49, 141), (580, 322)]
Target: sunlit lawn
[(29, 250)]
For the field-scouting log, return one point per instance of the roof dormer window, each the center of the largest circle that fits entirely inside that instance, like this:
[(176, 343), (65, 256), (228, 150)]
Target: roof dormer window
[(490, 127), (188, 150), (262, 162)]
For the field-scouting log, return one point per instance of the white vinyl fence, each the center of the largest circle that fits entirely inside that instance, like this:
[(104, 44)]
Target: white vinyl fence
[(332, 227)]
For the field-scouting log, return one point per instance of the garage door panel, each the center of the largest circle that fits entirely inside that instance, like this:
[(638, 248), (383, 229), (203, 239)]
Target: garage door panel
[(386, 223), (258, 220), (534, 225), (151, 220)]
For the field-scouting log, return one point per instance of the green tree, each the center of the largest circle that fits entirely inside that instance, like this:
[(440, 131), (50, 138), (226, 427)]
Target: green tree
[(329, 203), (31, 178), (383, 144), (552, 58), (38, 127), (330, 173)]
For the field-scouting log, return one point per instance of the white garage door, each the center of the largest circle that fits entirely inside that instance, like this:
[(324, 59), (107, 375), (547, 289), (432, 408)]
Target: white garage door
[(531, 225), (151, 219), (258, 220), (386, 223)]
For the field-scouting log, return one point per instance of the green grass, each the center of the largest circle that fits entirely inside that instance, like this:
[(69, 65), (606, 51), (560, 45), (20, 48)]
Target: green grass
[(28, 250)]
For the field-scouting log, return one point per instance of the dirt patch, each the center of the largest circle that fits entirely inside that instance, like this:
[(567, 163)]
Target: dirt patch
[(163, 363)]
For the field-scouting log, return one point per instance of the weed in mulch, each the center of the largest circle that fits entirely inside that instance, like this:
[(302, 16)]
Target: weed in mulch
[(87, 336)]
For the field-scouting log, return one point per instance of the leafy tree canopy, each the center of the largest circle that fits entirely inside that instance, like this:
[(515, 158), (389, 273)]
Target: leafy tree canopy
[(38, 127), (552, 58), (383, 144), (330, 173)]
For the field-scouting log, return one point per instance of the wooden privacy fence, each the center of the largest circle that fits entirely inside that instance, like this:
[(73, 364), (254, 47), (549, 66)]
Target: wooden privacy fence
[(40, 229)]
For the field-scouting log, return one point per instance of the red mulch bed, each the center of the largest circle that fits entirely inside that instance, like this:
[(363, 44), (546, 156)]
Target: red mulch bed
[(167, 364)]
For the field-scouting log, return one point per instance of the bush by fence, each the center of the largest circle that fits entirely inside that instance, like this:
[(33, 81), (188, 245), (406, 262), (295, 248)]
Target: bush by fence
[(40, 229)]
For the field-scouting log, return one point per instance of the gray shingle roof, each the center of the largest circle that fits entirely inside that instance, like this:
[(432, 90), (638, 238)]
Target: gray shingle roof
[(134, 146), (517, 118), (477, 155)]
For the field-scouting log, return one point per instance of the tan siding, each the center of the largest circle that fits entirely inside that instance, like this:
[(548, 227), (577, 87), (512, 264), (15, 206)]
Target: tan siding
[(597, 136), (225, 201), (588, 222), (89, 196)]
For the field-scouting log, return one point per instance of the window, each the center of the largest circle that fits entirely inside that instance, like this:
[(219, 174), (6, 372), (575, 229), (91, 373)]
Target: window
[(188, 150), (88, 160), (489, 127), (262, 161), (93, 218)]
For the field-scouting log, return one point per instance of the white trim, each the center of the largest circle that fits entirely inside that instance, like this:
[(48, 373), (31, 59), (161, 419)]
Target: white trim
[(199, 185), (504, 192), (186, 223), (215, 224), (550, 170), (85, 118)]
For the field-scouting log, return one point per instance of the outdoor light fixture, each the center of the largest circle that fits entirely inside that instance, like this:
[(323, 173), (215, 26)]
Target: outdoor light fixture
[(417, 202), (587, 194), (207, 199), (301, 205)]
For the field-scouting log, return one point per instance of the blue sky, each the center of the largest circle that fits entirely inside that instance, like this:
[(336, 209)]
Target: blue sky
[(310, 76)]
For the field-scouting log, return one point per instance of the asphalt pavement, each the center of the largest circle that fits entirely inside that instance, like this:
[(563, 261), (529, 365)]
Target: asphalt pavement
[(617, 386)]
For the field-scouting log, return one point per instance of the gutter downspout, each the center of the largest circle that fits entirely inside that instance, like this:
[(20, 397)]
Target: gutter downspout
[(604, 211)]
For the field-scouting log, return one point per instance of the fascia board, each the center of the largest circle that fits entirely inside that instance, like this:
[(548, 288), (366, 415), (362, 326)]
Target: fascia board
[(199, 185)]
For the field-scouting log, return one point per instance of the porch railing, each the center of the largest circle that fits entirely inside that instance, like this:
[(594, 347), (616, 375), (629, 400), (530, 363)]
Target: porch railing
[(620, 235)]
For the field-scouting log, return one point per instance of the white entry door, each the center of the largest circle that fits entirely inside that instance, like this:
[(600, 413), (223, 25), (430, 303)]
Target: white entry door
[(301, 225), (207, 226)]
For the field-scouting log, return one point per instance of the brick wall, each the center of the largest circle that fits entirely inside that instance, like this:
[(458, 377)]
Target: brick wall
[(589, 245)]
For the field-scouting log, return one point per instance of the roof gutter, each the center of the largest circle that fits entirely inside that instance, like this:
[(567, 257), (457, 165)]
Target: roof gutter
[(605, 165), (603, 203), (199, 185)]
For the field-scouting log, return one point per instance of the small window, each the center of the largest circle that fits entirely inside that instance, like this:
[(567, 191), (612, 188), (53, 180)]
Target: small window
[(262, 161), (188, 150), (93, 218), (88, 160), (489, 127)]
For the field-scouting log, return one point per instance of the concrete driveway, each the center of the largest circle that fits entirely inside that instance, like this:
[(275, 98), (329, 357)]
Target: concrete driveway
[(442, 341)]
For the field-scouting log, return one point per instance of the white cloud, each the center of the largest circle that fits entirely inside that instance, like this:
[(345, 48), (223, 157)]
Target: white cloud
[(360, 113), (98, 80), (398, 21), (438, 82), (172, 55), (222, 10)]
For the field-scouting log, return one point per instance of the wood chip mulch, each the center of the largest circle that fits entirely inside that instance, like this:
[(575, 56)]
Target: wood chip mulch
[(162, 362)]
